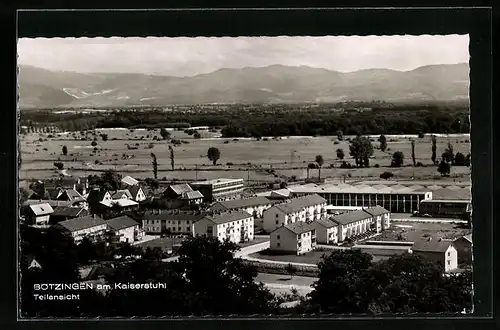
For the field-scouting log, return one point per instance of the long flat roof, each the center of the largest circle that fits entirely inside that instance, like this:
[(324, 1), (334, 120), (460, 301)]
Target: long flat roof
[(358, 189), (215, 181)]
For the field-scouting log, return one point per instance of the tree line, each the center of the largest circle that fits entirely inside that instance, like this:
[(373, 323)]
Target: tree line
[(275, 120)]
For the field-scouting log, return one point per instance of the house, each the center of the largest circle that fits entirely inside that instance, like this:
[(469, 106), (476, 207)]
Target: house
[(235, 226), (124, 203), (73, 196), (175, 191), (253, 205), (53, 203), (63, 213), (97, 195), (306, 208), (128, 181), (191, 198), (326, 231), (126, 228), (440, 251), (121, 194), (381, 218), (298, 238), (352, 224), (463, 245), (175, 222), (38, 214), (90, 226), (137, 193)]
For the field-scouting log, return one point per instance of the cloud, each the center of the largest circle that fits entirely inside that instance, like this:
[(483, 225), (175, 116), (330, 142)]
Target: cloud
[(190, 56)]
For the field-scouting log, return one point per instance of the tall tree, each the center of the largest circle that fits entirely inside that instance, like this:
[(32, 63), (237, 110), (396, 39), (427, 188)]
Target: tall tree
[(155, 166), (110, 180), (397, 159), (434, 142), (444, 168), (339, 272), (340, 135), (65, 150), (171, 155), (340, 154), (164, 133), (413, 152), (383, 142), (361, 149), (460, 159), (213, 154), (448, 154), (320, 161)]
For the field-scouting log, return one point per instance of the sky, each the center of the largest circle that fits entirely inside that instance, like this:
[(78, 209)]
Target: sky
[(190, 56)]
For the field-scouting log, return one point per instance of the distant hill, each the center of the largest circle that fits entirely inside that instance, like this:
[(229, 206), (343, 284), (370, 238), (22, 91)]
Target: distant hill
[(40, 88)]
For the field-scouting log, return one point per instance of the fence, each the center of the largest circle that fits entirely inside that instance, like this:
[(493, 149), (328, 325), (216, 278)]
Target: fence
[(272, 268)]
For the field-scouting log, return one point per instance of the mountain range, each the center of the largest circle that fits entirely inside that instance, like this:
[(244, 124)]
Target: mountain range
[(41, 88)]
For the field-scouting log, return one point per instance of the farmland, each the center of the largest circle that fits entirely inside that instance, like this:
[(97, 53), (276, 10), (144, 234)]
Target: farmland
[(266, 160)]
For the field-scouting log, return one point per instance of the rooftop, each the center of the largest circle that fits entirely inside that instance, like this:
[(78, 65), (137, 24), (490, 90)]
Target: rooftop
[(299, 227), (434, 245), (175, 215), (299, 203), (350, 217), (121, 223), (245, 202), (228, 217), (77, 224), (119, 193), (41, 209), (130, 180), (192, 195), (65, 211), (134, 190), (120, 202), (179, 189), (376, 211), (356, 189), (460, 201), (215, 181), (327, 223)]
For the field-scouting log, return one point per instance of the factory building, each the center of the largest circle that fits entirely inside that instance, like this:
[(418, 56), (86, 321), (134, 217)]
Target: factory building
[(394, 198)]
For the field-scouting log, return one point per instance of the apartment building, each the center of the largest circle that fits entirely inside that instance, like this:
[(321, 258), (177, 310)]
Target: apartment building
[(352, 224), (235, 226), (326, 231), (306, 209), (91, 226), (297, 238), (440, 251), (174, 222)]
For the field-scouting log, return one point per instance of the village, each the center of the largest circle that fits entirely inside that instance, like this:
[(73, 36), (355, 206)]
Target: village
[(281, 231)]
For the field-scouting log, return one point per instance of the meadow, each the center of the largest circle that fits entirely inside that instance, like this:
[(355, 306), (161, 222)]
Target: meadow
[(266, 160)]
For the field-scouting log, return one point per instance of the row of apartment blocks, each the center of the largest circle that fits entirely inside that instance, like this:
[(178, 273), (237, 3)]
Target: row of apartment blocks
[(302, 236), (235, 226)]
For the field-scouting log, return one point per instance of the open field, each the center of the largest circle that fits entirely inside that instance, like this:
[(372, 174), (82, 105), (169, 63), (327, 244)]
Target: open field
[(240, 158)]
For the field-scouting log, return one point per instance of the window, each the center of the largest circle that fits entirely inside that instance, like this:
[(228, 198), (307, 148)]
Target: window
[(180, 229), (449, 254), (278, 237), (276, 215), (278, 245), (277, 221), (449, 262)]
